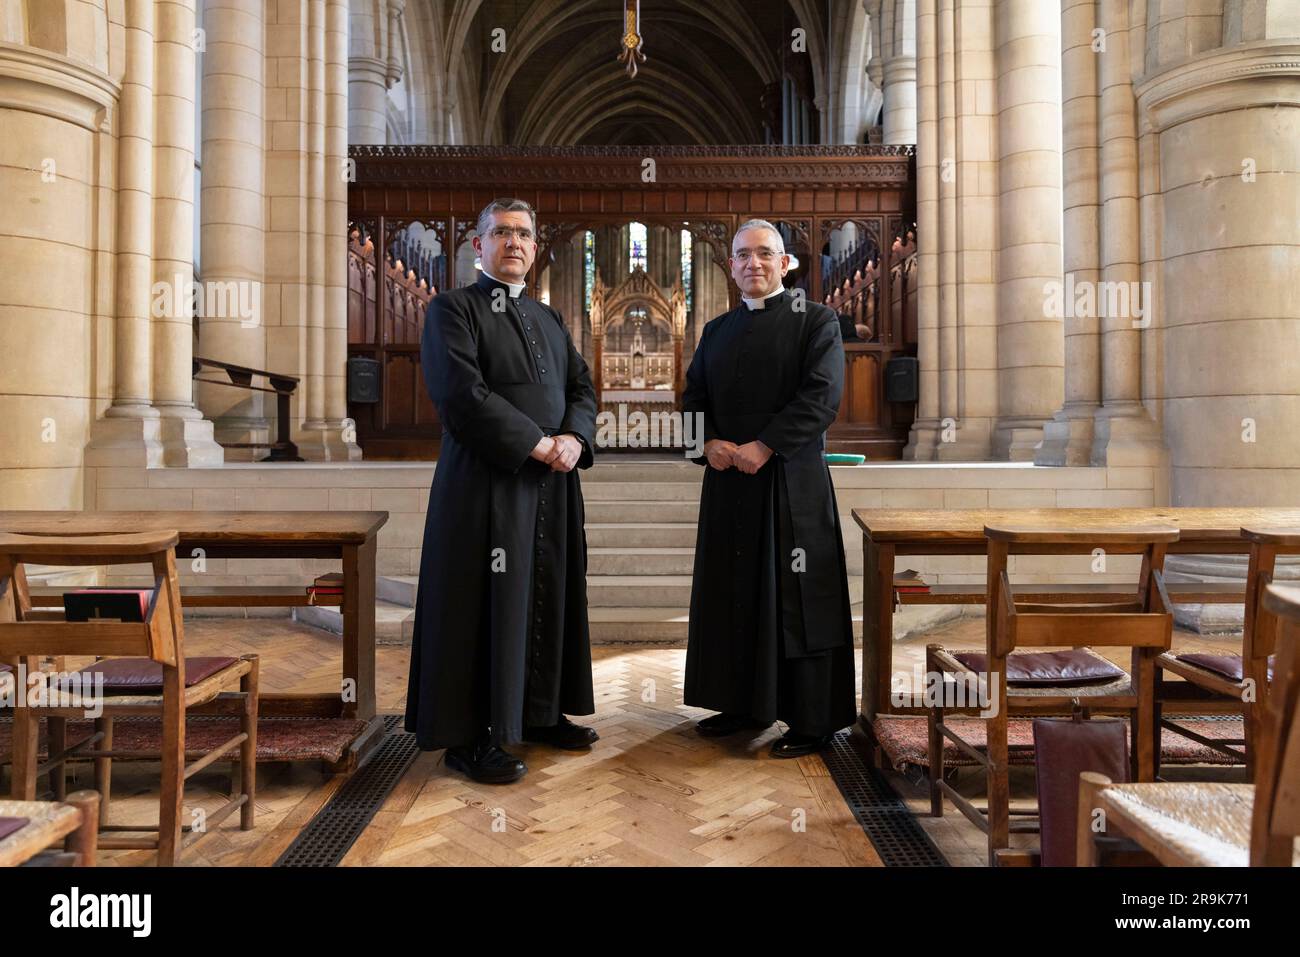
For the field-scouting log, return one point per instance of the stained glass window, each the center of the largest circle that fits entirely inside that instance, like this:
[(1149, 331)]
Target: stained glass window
[(636, 246), (686, 266), (588, 268)]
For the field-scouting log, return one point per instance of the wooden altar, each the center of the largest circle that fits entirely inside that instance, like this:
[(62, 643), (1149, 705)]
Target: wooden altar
[(709, 191)]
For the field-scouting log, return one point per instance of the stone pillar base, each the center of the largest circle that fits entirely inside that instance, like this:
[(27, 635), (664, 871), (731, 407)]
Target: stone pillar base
[(126, 438), (1016, 440), (327, 442), (188, 440), (922, 441), (1127, 436), (1067, 439)]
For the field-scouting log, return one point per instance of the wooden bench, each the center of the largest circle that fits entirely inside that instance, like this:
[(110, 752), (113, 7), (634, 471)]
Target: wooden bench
[(888, 534), (1182, 593), (215, 596)]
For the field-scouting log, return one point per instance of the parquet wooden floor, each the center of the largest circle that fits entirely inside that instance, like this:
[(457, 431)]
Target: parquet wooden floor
[(651, 792)]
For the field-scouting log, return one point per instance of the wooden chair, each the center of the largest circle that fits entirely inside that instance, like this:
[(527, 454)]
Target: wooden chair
[(29, 829), (1217, 683), (1077, 681), (149, 675), (1218, 824)]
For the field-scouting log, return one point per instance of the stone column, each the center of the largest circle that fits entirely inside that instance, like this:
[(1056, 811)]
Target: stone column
[(367, 75), (1226, 123), (54, 241), (233, 216), (950, 370), (339, 435), (187, 436), (129, 433), (926, 426), (969, 216), (899, 73), (1124, 433), (314, 131), (1030, 353), (1067, 439)]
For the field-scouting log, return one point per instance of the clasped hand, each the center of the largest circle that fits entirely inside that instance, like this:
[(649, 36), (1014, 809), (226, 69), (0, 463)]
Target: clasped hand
[(749, 458), (560, 452)]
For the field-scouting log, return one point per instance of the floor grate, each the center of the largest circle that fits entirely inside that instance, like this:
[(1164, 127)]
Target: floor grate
[(889, 825), (335, 828)]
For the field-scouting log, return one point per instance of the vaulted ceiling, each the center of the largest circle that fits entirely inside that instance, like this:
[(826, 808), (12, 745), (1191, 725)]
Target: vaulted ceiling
[(711, 68)]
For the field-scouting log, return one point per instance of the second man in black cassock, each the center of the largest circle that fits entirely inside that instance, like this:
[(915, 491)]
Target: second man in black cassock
[(770, 635), (501, 649)]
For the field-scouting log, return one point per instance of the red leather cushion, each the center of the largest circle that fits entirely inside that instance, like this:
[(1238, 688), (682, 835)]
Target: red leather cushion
[(1070, 667), (143, 676), (1063, 749), (10, 824), (1227, 665)]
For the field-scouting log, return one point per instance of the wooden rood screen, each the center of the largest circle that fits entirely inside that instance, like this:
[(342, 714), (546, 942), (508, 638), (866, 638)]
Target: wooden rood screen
[(812, 190)]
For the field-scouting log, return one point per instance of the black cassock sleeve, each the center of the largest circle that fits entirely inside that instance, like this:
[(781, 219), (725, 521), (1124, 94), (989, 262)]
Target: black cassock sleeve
[(817, 400), (478, 418), (580, 400), (695, 393)]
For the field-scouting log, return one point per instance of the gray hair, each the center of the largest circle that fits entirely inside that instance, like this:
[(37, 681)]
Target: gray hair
[(759, 224), (505, 205)]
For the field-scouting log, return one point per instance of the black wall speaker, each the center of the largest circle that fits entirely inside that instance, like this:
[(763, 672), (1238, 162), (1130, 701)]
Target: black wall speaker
[(903, 379), (363, 379)]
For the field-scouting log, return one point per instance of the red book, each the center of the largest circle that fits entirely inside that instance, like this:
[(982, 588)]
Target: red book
[(123, 604), (910, 582)]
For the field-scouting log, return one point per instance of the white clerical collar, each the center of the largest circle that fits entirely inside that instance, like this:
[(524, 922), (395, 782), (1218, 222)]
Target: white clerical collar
[(761, 302), (515, 287)]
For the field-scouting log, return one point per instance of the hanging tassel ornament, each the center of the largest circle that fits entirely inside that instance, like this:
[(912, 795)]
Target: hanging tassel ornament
[(631, 53)]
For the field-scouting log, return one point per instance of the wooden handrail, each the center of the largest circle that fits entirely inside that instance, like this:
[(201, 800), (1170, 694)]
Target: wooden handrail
[(241, 377)]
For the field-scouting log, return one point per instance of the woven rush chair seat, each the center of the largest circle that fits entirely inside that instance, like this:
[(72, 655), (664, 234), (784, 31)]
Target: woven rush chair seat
[(40, 824), (1202, 824), (1225, 666)]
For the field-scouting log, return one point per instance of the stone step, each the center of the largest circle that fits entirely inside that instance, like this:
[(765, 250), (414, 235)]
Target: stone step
[(635, 623), (610, 513), (619, 491), (640, 561), (638, 591), (394, 624), (641, 535), (397, 589), (605, 471)]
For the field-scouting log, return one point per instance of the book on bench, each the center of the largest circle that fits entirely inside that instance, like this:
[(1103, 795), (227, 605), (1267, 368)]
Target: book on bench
[(328, 584), (910, 582), (111, 604)]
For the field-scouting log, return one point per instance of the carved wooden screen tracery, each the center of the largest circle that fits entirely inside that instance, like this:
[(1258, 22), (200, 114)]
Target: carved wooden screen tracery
[(706, 190)]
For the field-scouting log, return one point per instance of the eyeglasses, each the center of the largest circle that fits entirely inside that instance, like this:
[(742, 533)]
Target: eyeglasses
[(762, 254), (523, 234)]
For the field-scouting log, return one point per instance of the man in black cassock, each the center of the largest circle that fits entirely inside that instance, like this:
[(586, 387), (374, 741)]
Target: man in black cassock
[(770, 634), (501, 649)]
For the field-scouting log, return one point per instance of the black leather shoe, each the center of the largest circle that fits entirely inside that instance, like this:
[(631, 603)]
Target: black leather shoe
[(486, 763), (792, 745), (564, 735), (721, 725)]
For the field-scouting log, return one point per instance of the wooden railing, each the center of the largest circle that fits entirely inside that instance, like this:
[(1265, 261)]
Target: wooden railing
[(406, 297), (281, 386), (880, 300)]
